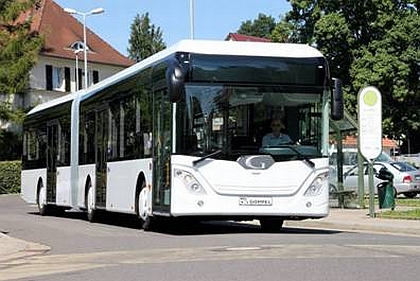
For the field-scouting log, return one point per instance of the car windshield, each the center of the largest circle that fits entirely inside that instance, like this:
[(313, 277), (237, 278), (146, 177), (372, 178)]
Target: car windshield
[(234, 120), (403, 166)]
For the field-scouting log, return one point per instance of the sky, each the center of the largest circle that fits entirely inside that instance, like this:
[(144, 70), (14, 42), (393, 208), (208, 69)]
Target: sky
[(213, 19)]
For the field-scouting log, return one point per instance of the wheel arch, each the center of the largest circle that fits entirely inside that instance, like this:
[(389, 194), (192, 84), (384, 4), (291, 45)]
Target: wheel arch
[(39, 184), (141, 179), (86, 188)]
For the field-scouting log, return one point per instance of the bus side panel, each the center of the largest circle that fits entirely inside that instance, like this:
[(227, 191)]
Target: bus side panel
[(122, 180), (29, 183), (85, 172), (63, 197)]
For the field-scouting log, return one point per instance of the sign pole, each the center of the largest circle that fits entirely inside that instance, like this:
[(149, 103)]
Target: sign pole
[(371, 191), (370, 134)]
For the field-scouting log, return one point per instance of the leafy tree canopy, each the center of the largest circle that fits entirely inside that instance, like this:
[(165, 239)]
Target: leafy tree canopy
[(372, 42), (19, 48), (145, 39), (262, 27)]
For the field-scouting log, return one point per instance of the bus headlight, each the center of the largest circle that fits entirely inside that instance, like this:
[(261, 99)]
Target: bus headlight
[(316, 186), (190, 182)]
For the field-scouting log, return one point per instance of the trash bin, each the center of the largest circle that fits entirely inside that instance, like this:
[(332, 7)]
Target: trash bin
[(386, 195), (386, 190)]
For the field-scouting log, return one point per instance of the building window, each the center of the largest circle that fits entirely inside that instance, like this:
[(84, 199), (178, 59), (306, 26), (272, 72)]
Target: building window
[(54, 77), (79, 79), (57, 78), (67, 79), (48, 76), (95, 75), (78, 45)]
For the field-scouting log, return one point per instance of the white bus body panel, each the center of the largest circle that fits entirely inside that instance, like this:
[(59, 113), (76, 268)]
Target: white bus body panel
[(29, 183), (121, 184), (63, 194), (225, 183)]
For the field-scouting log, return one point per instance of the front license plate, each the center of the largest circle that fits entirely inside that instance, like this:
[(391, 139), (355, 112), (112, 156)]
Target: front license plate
[(255, 201)]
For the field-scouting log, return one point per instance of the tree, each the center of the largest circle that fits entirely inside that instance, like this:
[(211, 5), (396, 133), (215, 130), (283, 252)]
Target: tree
[(373, 42), (283, 32), (262, 27), (302, 17), (19, 47), (145, 39)]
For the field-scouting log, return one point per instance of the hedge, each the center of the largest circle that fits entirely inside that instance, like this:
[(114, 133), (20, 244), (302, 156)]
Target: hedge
[(10, 177)]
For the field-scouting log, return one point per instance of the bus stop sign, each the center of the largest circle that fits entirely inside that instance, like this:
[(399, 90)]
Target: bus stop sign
[(370, 122)]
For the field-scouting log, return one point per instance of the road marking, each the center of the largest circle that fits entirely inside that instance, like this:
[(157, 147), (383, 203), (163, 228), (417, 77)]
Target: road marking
[(56, 264)]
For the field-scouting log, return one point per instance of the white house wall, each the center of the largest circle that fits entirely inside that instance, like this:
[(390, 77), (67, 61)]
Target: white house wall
[(38, 82)]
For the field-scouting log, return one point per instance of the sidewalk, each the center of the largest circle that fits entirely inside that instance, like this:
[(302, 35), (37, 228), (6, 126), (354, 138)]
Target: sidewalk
[(13, 248), (357, 220)]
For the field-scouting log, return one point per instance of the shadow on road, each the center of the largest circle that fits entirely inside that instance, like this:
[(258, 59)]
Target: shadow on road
[(182, 227)]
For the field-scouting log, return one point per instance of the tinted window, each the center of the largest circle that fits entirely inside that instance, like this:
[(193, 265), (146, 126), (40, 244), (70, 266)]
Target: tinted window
[(403, 167), (280, 71)]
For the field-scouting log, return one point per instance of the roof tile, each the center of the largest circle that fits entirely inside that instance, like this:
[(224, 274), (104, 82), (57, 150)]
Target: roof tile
[(61, 30), (243, 37)]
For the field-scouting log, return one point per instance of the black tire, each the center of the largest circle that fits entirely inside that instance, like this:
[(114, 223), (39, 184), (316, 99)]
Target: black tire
[(333, 191), (41, 200), (91, 212), (147, 224), (271, 224), (410, 194)]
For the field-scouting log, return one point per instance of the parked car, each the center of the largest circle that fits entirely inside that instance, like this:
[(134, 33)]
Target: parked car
[(406, 178), (350, 158)]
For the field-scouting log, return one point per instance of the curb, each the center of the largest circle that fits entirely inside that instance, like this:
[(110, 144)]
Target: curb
[(354, 227)]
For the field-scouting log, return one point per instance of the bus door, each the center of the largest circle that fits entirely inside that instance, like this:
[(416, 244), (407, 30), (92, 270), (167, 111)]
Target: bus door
[(101, 135), (52, 155), (161, 151)]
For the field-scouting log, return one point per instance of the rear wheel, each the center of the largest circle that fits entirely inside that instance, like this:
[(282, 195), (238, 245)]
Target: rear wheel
[(271, 224), (41, 199), (333, 191), (143, 207), (90, 203)]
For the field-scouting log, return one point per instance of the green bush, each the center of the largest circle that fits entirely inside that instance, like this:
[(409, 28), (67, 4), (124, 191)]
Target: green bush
[(11, 145), (10, 177)]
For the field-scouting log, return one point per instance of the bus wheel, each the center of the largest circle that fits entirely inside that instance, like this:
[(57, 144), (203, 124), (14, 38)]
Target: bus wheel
[(271, 224), (143, 207), (90, 204), (41, 200)]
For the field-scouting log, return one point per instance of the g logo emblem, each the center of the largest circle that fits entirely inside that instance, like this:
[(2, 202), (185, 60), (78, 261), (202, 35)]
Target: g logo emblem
[(256, 162)]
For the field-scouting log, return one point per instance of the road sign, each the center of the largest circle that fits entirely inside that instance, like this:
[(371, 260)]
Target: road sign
[(370, 133), (370, 122)]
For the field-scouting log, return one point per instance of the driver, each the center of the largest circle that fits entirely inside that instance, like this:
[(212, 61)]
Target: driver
[(276, 137)]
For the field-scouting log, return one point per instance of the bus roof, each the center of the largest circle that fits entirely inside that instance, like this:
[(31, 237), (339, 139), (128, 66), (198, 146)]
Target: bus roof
[(207, 47)]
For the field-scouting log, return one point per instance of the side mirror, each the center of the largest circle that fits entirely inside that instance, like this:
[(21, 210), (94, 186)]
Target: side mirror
[(175, 79), (337, 101)]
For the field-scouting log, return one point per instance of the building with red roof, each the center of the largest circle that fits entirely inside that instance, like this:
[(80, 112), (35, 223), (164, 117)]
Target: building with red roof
[(55, 72), (243, 37)]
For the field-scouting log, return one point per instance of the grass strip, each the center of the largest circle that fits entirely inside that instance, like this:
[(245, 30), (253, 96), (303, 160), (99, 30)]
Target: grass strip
[(413, 214)]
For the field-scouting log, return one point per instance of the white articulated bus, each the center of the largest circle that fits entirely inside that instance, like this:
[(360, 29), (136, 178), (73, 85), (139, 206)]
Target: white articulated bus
[(179, 135)]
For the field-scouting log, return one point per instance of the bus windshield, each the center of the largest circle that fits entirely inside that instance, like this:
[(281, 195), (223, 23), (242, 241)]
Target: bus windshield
[(234, 120)]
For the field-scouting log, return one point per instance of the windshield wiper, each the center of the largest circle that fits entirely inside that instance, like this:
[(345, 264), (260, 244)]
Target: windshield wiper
[(214, 153), (301, 156)]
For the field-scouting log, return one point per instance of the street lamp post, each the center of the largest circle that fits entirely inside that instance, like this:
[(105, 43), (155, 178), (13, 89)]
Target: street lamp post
[(192, 19), (77, 68), (92, 12), (74, 131)]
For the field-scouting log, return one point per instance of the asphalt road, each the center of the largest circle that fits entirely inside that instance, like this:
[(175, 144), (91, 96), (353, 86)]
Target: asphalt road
[(116, 249)]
